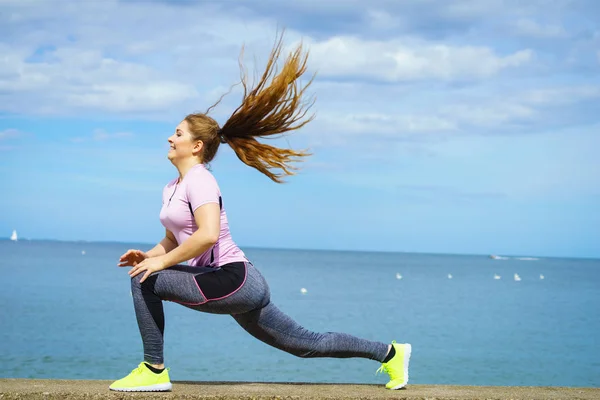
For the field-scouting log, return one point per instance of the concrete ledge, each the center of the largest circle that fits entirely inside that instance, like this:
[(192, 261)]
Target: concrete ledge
[(80, 389)]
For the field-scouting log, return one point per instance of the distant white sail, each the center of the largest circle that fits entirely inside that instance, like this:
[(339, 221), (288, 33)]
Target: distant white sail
[(517, 277), (13, 237)]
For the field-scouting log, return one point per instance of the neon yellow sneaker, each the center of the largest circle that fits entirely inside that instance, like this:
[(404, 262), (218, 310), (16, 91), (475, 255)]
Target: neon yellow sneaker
[(142, 379), (397, 367)]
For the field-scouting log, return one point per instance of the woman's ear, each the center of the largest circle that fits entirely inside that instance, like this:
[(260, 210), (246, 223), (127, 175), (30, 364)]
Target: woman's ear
[(198, 146)]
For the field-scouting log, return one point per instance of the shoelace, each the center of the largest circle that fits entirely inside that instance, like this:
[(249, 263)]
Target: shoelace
[(385, 368), (136, 371)]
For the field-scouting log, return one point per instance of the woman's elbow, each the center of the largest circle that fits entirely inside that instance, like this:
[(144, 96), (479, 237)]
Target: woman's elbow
[(212, 238)]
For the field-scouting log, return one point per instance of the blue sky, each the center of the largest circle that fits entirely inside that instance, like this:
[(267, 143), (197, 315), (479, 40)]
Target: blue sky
[(441, 126)]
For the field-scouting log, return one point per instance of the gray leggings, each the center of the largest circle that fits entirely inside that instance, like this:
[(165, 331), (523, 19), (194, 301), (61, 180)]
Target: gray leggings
[(249, 305)]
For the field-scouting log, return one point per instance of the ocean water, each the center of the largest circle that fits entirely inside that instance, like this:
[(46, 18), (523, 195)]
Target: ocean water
[(68, 315)]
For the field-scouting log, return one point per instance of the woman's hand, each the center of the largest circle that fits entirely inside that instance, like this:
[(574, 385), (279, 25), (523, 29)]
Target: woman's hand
[(148, 266), (132, 258)]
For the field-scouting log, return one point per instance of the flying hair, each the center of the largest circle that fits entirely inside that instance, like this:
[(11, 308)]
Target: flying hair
[(271, 108)]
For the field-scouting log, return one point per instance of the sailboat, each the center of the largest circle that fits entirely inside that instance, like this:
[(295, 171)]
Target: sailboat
[(13, 237)]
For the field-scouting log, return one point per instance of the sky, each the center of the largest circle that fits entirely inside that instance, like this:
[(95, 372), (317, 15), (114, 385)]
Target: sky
[(462, 127)]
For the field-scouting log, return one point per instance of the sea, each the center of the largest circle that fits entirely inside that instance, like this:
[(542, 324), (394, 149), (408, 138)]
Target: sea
[(66, 312)]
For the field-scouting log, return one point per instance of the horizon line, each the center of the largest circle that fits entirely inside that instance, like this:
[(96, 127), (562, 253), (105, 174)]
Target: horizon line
[(324, 250)]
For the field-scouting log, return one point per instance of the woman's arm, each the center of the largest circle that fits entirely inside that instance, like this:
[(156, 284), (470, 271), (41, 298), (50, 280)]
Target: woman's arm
[(167, 244), (208, 220), (134, 257)]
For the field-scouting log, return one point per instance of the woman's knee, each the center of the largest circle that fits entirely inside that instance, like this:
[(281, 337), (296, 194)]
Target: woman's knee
[(148, 284), (135, 281), (301, 352)]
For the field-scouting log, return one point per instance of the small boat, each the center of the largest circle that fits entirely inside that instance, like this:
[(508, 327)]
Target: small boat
[(13, 237), (517, 277)]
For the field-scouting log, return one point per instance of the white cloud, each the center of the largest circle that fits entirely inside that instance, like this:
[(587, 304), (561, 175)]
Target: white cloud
[(529, 27), (116, 183), (7, 137), (100, 135), (152, 60), (381, 20), (437, 193), (385, 124), (405, 60), (560, 95), (76, 79), (533, 106), (88, 57), (424, 16), (132, 97), (9, 133), (470, 112), (492, 114)]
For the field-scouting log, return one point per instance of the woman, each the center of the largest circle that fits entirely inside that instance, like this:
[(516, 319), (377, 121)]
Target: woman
[(218, 278)]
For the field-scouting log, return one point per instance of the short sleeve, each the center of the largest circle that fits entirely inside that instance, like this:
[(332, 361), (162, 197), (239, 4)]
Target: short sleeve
[(201, 188)]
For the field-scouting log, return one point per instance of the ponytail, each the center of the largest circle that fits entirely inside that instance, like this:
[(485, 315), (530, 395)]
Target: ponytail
[(268, 110)]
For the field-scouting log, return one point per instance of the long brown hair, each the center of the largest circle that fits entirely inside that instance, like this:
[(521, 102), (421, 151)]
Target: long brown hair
[(266, 110)]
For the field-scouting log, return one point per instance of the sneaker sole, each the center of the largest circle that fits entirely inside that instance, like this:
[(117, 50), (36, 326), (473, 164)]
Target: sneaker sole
[(407, 351), (160, 387)]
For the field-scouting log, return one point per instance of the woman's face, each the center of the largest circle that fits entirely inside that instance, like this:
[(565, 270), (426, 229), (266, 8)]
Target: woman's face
[(182, 145)]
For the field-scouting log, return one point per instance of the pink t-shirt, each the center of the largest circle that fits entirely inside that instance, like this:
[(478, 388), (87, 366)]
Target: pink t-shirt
[(197, 188)]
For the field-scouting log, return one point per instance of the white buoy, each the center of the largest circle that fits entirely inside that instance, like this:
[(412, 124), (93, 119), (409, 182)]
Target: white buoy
[(496, 276), (449, 276), (398, 276), (303, 290), (541, 276), (83, 252), (517, 277)]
